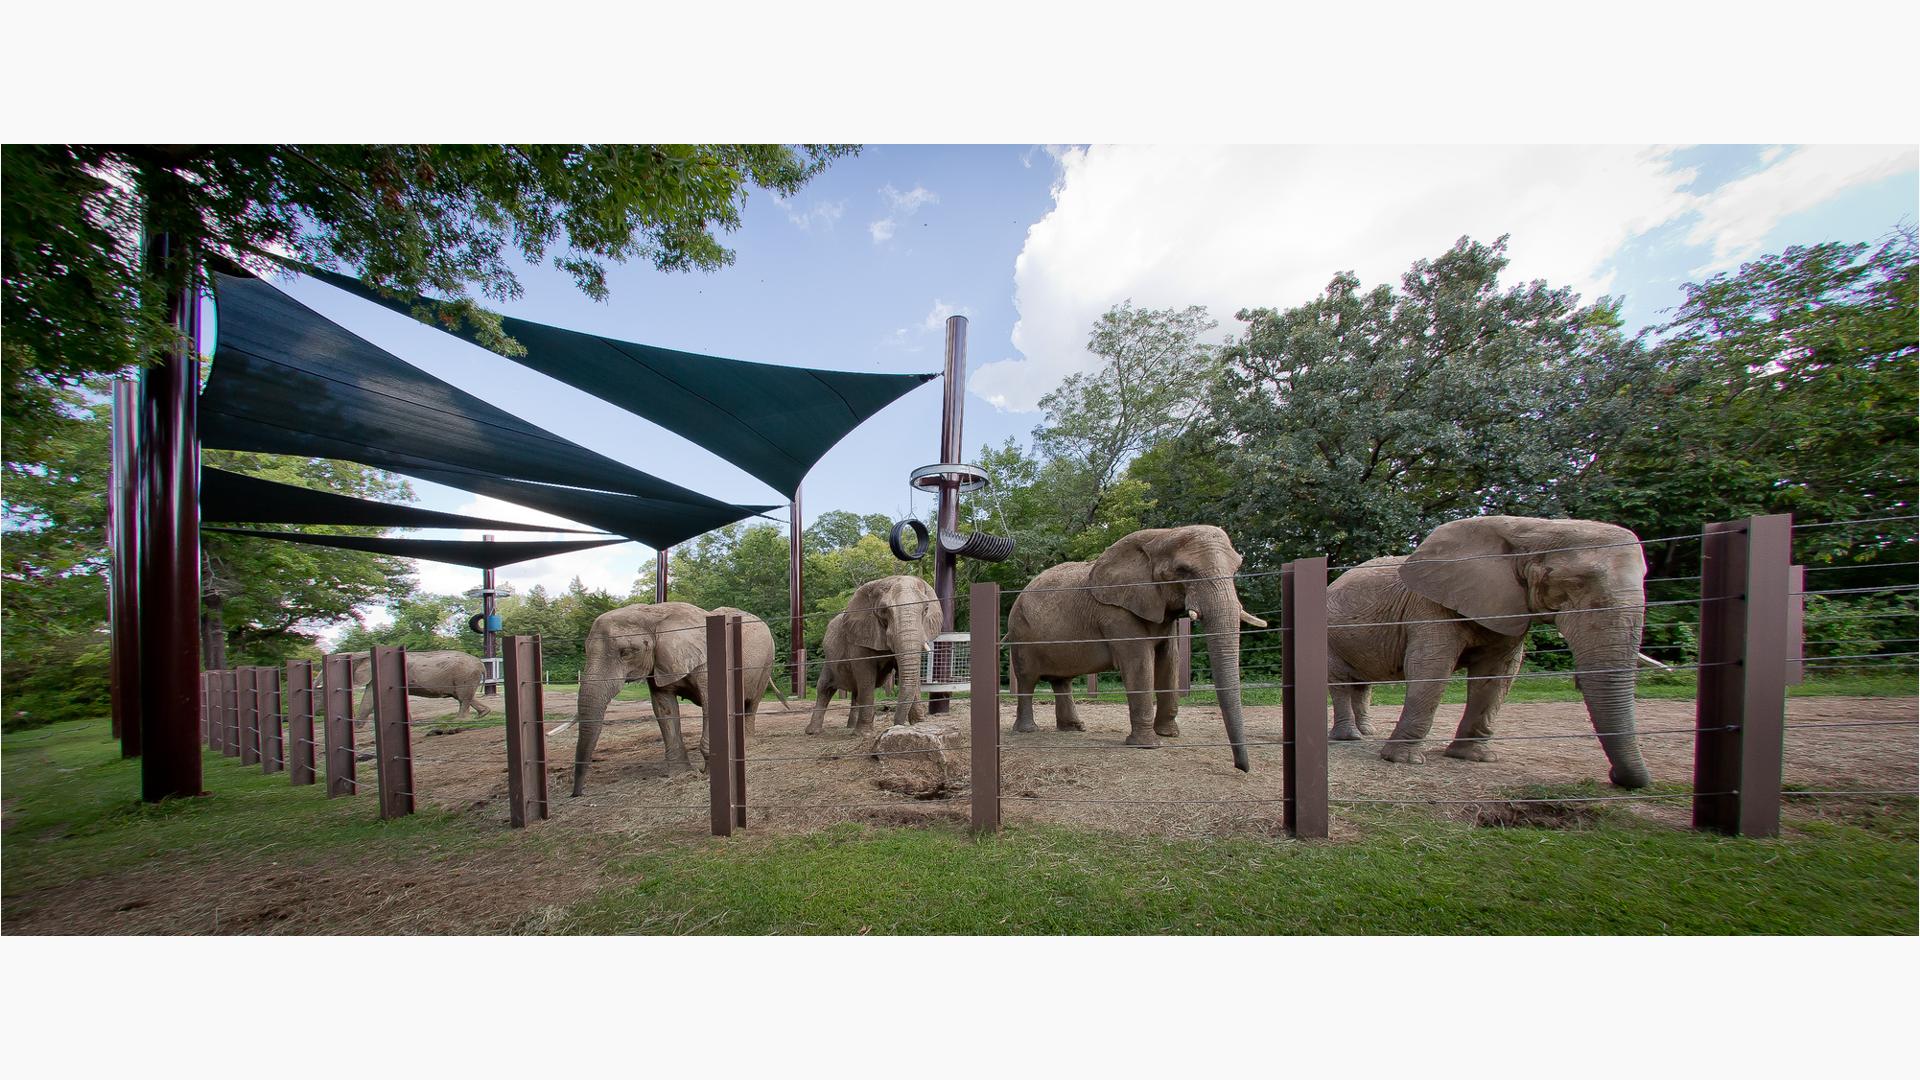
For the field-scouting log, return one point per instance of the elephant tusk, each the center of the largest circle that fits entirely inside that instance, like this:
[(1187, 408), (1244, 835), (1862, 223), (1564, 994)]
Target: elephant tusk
[(1192, 614), (1251, 619), (927, 646), (1648, 661)]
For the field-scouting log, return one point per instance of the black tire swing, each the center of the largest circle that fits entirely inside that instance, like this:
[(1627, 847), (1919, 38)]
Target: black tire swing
[(959, 479)]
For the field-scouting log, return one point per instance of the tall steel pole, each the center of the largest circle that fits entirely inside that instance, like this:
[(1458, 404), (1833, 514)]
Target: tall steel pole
[(123, 590), (168, 454), (489, 642), (796, 604), (660, 575), (952, 415)]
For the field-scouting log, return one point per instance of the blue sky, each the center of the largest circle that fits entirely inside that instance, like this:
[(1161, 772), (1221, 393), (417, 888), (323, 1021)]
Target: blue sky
[(1032, 243)]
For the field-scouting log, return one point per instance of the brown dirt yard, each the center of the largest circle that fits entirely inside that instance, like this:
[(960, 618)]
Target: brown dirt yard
[(1187, 788)]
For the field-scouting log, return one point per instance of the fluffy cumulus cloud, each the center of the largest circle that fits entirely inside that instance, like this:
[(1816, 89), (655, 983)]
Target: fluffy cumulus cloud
[(900, 205), (1737, 216), (1234, 227), (818, 214)]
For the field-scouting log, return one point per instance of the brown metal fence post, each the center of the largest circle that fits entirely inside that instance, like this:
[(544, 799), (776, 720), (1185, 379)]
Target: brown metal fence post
[(123, 585), (337, 671), (1183, 627), (248, 682), (273, 748), (392, 730), (737, 715), (526, 730), (206, 726), (983, 646), (1303, 697), (713, 722), (216, 713), (230, 697), (1740, 710), (300, 722), (1796, 625)]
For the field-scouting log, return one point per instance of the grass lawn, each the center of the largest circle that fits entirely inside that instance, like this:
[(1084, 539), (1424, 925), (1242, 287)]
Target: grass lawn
[(73, 822)]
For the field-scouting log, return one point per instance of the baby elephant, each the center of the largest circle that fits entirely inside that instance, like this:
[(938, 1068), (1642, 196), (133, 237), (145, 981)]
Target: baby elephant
[(433, 674)]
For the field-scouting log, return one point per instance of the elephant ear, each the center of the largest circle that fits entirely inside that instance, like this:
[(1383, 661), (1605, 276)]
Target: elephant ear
[(932, 615), (1459, 565), (1123, 576), (867, 617), (679, 648)]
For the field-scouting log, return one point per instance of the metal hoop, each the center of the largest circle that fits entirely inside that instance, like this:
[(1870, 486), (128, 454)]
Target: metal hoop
[(933, 477)]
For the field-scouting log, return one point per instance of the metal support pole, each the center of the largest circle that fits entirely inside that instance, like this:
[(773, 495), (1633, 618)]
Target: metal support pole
[(123, 581), (952, 422), (300, 722), (660, 575), (1303, 585), (1796, 625), (392, 730), (248, 682), (273, 748), (719, 735), (168, 453), (796, 600), (337, 673), (526, 731), (736, 676), (1741, 705), (489, 641), (983, 646)]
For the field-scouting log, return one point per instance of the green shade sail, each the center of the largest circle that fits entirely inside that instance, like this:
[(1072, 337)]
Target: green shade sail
[(484, 554), (287, 380), (772, 421), (236, 497)]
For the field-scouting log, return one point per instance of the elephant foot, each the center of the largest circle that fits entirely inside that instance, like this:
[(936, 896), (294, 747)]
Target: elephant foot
[(1345, 731), (1470, 751), (1629, 778), (1403, 753), (817, 725), (1167, 729), (1071, 723), (1024, 725), (1143, 737)]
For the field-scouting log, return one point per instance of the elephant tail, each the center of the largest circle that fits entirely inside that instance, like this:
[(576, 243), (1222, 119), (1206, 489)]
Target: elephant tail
[(785, 705)]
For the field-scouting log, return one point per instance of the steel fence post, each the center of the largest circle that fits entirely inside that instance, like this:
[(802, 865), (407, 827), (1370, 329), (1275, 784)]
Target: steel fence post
[(392, 731), (983, 647), (337, 671), (1303, 615), (713, 722), (1740, 703), (299, 696)]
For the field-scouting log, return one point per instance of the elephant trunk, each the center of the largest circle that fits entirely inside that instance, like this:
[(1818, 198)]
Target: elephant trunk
[(910, 642), (600, 680), (1219, 611), (1605, 648)]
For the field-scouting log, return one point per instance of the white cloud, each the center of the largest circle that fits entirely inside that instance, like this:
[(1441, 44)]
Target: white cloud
[(936, 320), (1737, 216), (820, 214), (900, 206), (613, 567), (1233, 227)]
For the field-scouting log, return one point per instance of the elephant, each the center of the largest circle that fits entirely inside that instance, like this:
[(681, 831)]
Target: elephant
[(1118, 611), (888, 624), (433, 674), (1465, 598), (665, 645)]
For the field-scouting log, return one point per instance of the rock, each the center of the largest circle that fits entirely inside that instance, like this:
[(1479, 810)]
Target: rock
[(924, 760)]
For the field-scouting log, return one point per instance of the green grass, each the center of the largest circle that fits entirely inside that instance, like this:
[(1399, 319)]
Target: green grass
[(72, 814), (1411, 876)]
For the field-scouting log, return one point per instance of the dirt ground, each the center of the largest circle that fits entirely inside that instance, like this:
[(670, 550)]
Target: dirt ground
[(1187, 788)]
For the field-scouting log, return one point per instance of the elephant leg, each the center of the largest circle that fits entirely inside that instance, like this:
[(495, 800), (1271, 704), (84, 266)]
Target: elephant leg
[(1064, 716), (479, 707), (821, 699), (752, 710), (1350, 713), (1427, 673), (863, 699), (1024, 682), (1136, 674), (666, 712), (1166, 692), (465, 702), (1489, 679)]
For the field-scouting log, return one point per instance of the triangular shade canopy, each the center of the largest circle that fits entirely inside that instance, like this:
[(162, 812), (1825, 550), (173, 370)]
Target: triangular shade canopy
[(772, 421), (477, 553), (287, 380), (228, 496)]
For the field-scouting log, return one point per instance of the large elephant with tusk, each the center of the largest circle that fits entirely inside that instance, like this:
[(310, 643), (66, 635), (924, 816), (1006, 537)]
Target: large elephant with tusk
[(1465, 598), (1118, 612)]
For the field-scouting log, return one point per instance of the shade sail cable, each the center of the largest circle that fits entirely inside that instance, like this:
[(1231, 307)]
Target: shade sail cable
[(771, 420), (483, 554)]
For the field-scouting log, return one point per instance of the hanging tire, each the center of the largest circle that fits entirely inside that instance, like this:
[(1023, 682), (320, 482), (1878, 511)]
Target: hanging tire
[(900, 550)]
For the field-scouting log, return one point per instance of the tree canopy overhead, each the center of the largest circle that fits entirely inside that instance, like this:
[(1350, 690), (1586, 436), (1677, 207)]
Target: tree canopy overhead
[(441, 219)]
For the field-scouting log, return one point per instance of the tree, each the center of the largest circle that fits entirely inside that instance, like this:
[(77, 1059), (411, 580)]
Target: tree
[(442, 219)]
